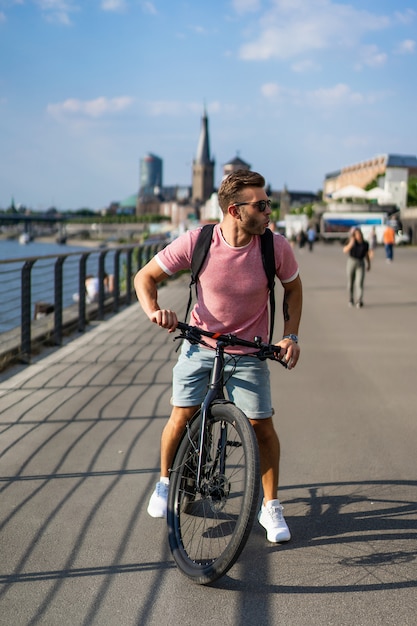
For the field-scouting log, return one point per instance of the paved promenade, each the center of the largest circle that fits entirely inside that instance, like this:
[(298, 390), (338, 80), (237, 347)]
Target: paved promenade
[(79, 456)]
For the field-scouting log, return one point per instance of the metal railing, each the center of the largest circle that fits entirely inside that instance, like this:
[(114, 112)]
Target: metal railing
[(37, 301)]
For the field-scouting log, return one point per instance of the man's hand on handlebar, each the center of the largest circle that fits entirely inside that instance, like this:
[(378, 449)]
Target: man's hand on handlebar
[(290, 352), (165, 318)]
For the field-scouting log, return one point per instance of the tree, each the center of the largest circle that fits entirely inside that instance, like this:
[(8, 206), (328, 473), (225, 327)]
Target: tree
[(412, 191)]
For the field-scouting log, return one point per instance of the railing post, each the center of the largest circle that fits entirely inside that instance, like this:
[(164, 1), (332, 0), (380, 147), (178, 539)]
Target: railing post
[(116, 281), (140, 257), (58, 300), (101, 294), (26, 313), (129, 276), (82, 319), (148, 255)]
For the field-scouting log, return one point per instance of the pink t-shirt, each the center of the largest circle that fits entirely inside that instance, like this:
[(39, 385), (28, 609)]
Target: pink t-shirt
[(232, 285)]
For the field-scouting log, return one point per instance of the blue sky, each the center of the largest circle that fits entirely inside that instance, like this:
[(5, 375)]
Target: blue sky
[(298, 88)]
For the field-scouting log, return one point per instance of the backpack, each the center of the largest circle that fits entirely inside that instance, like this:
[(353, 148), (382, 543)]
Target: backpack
[(268, 260)]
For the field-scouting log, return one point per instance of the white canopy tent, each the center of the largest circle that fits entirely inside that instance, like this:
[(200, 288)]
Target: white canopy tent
[(350, 191), (377, 193)]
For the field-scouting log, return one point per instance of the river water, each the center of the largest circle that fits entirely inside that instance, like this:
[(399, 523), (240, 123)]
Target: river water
[(42, 277), (12, 249)]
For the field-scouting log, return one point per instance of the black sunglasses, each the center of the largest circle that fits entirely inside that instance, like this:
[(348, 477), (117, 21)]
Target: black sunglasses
[(260, 204)]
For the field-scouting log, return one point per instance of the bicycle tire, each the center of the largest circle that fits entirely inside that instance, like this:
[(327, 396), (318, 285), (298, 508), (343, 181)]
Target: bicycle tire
[(208, 529)]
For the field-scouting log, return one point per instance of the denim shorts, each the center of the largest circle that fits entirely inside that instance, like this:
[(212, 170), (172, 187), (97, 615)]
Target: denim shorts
[(247, 381)]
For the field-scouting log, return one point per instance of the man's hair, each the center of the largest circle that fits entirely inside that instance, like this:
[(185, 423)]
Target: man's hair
[(229, 190)]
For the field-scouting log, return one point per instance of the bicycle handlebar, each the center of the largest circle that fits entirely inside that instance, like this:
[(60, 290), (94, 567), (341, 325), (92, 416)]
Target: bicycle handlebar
[(264, 350)]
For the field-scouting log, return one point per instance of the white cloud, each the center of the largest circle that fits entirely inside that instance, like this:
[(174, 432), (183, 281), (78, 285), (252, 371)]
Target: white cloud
[(292, 28), (89, 108), (149, 7), (52, 10), (339, 95), (198, 30), (174, 108), (276, 92), (407, 46), (405, 17), (371, 56), (100, 107), (114, 5), (305, 65), (57, 10), (246, 6), (270, 90), (177, 108)]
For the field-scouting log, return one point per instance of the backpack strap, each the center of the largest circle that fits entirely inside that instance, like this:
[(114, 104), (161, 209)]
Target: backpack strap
[(200, 251), (268, 260)]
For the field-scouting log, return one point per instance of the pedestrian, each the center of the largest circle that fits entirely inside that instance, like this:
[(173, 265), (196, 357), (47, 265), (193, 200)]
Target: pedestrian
[(302, 238), (311, 238), (389, 241), (358, 250), (92, 288), (232, 298)]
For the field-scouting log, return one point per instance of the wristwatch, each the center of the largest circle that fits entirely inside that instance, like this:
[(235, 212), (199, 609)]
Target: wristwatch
[(293, 338)]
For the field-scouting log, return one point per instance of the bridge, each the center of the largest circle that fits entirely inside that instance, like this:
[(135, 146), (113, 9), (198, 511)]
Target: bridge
[(28, 221)]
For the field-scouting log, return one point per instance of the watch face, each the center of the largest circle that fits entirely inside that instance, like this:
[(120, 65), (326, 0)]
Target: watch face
[(292, 337)]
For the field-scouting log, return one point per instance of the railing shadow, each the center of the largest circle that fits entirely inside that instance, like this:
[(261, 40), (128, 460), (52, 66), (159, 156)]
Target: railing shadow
[(91, 406), (351, 536)]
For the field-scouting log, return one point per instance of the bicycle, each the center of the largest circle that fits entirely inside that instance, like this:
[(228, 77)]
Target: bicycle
[(215, 478)]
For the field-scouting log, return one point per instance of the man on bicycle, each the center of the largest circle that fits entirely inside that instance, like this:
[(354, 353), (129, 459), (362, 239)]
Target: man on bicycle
[(232, 298)]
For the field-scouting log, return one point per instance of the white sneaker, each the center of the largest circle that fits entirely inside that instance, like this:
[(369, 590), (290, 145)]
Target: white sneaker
[(158, 503), (271, 518)]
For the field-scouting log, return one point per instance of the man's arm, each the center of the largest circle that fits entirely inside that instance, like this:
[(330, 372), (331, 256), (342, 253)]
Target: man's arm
[(292, 307), (146, 281)]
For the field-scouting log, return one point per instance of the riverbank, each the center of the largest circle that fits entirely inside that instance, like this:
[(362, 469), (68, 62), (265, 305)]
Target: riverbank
[(77, 243)]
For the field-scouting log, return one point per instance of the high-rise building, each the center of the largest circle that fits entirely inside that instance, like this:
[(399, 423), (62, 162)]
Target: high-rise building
[(203, 167), (150, 174)]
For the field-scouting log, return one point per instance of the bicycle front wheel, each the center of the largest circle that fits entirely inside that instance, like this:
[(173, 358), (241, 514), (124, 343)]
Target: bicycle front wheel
[(209, 525)]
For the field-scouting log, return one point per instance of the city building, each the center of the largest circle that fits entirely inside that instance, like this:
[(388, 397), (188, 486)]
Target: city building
[(291, 200), (150, 174), (391, 171), (235, 164), (203, 167)]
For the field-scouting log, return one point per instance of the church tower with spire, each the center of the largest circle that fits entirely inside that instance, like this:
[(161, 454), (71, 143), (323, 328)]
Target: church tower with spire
[(203, 167)]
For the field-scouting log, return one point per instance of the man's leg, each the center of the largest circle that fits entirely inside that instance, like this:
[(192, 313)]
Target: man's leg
[(270, 515), (172, 433), (269, 454), (171, 436)]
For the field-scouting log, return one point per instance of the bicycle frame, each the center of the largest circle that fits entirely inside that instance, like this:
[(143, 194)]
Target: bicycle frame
[(215, 392)]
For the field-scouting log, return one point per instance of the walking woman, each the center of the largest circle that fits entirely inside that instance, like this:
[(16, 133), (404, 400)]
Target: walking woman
[(358, 250)]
